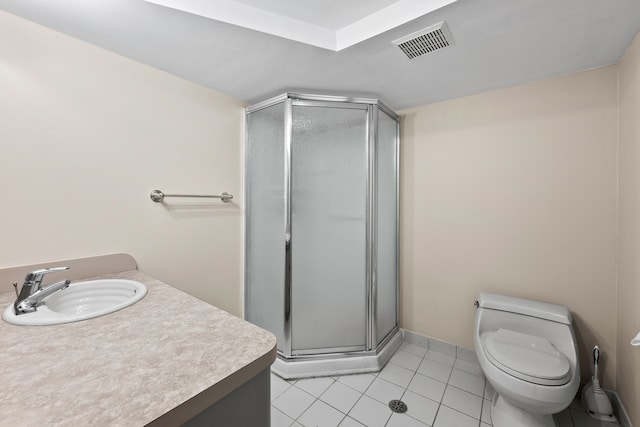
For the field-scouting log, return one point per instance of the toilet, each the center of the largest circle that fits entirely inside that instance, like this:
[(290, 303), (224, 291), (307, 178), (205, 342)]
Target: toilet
[(527, 351)]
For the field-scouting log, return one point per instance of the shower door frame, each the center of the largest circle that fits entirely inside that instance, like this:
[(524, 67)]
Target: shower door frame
[(289, 349), (290, 100)]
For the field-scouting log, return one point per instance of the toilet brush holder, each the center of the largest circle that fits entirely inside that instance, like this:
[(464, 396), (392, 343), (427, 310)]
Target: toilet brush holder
[(594, 399)]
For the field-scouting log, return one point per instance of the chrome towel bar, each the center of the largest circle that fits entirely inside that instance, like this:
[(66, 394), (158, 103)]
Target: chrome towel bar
[(158, 196)]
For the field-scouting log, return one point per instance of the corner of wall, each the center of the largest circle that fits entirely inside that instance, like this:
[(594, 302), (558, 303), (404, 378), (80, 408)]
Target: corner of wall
[(628, 229)]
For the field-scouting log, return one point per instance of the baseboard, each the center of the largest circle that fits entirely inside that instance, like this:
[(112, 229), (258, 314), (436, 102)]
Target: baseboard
[(619, 409), (462, 353)]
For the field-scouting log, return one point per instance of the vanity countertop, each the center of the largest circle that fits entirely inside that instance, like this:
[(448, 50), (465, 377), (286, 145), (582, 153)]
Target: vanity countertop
[(158, 362)]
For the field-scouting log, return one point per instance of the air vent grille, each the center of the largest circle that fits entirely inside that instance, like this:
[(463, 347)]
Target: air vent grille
[(425, 41)]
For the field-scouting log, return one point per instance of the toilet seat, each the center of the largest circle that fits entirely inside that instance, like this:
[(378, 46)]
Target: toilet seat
[(527, 357)]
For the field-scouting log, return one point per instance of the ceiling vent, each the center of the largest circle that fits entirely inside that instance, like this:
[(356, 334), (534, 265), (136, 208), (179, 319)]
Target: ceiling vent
[(425, 41)]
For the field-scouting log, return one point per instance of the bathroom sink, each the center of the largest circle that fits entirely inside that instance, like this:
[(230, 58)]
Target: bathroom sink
[(81, 301)]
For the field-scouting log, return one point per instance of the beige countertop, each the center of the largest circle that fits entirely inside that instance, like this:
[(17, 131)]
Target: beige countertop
[(159, 361)]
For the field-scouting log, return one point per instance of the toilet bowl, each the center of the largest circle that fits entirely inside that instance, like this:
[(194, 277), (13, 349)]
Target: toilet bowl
[(527, 351)]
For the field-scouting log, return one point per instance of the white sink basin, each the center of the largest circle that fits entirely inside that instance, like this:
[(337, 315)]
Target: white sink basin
[(81, 301)]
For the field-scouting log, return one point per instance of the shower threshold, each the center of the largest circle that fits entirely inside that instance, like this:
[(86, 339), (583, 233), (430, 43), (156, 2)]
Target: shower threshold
[(338, 363)]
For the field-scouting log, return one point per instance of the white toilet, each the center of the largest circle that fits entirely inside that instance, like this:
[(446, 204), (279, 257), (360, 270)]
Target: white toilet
[(527, 351)]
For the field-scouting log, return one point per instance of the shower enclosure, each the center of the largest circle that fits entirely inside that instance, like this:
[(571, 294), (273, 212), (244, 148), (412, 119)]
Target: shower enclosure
[(321, 250)]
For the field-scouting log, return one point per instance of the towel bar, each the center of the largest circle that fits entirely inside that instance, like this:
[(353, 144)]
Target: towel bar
[(158, 196)]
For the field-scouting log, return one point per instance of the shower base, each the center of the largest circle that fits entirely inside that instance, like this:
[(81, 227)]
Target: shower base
[(337, 364)]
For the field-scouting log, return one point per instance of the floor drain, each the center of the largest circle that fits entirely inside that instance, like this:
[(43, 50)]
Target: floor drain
[(398, 406)]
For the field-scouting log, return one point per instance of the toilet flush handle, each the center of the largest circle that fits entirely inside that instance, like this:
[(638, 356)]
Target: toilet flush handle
[(477, 304)]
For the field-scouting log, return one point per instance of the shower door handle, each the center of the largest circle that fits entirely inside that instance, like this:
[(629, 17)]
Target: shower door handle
[(287, 280)]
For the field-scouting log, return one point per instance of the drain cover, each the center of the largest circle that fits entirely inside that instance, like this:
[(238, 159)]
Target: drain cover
[(398, 406)]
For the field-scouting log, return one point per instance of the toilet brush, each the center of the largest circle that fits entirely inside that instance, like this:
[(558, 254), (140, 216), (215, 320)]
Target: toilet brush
[(594, 399)]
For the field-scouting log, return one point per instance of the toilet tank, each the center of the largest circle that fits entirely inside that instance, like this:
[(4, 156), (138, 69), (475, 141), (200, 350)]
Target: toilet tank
[(542, 310)]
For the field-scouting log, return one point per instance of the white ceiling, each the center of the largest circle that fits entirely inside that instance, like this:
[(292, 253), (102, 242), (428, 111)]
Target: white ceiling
[(324, 24), (344, 47), (332, 14)]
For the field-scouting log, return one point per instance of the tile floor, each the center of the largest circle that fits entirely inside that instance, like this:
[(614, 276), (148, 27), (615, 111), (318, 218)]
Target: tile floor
[(439, 390)]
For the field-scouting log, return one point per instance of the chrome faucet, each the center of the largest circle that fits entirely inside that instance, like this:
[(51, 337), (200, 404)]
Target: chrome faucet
[(32, 292)]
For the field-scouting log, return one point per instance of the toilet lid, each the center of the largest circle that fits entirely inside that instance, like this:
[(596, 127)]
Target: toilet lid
[(527, 357)]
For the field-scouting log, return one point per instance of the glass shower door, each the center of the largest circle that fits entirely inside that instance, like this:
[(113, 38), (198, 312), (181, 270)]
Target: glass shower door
[(329, 155), (265, 249), (386, 226)]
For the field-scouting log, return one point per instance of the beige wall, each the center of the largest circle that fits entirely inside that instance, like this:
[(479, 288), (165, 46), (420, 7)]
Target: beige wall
[(86, 135), (629, 231), (513, 191)]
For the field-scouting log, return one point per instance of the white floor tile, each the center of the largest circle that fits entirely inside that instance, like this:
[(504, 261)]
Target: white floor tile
[(486, 411), (448, 417), (293, 402), (406, 360), (370, 412), (463, 401), (471, 368), (321, 415), (468, 382), (359, 382), (421, 382), (413, 349), (440, 357), (350, 422), (435, 370), (397, 374), (340, 397), (314, 386), (278, 386), (384, 391), (278, 419), (403, 420), (427, 387), (420, 408)]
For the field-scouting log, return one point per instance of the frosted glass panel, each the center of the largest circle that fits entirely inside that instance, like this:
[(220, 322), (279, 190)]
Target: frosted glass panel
[(386, 228), (329, 163), (264, 264)]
